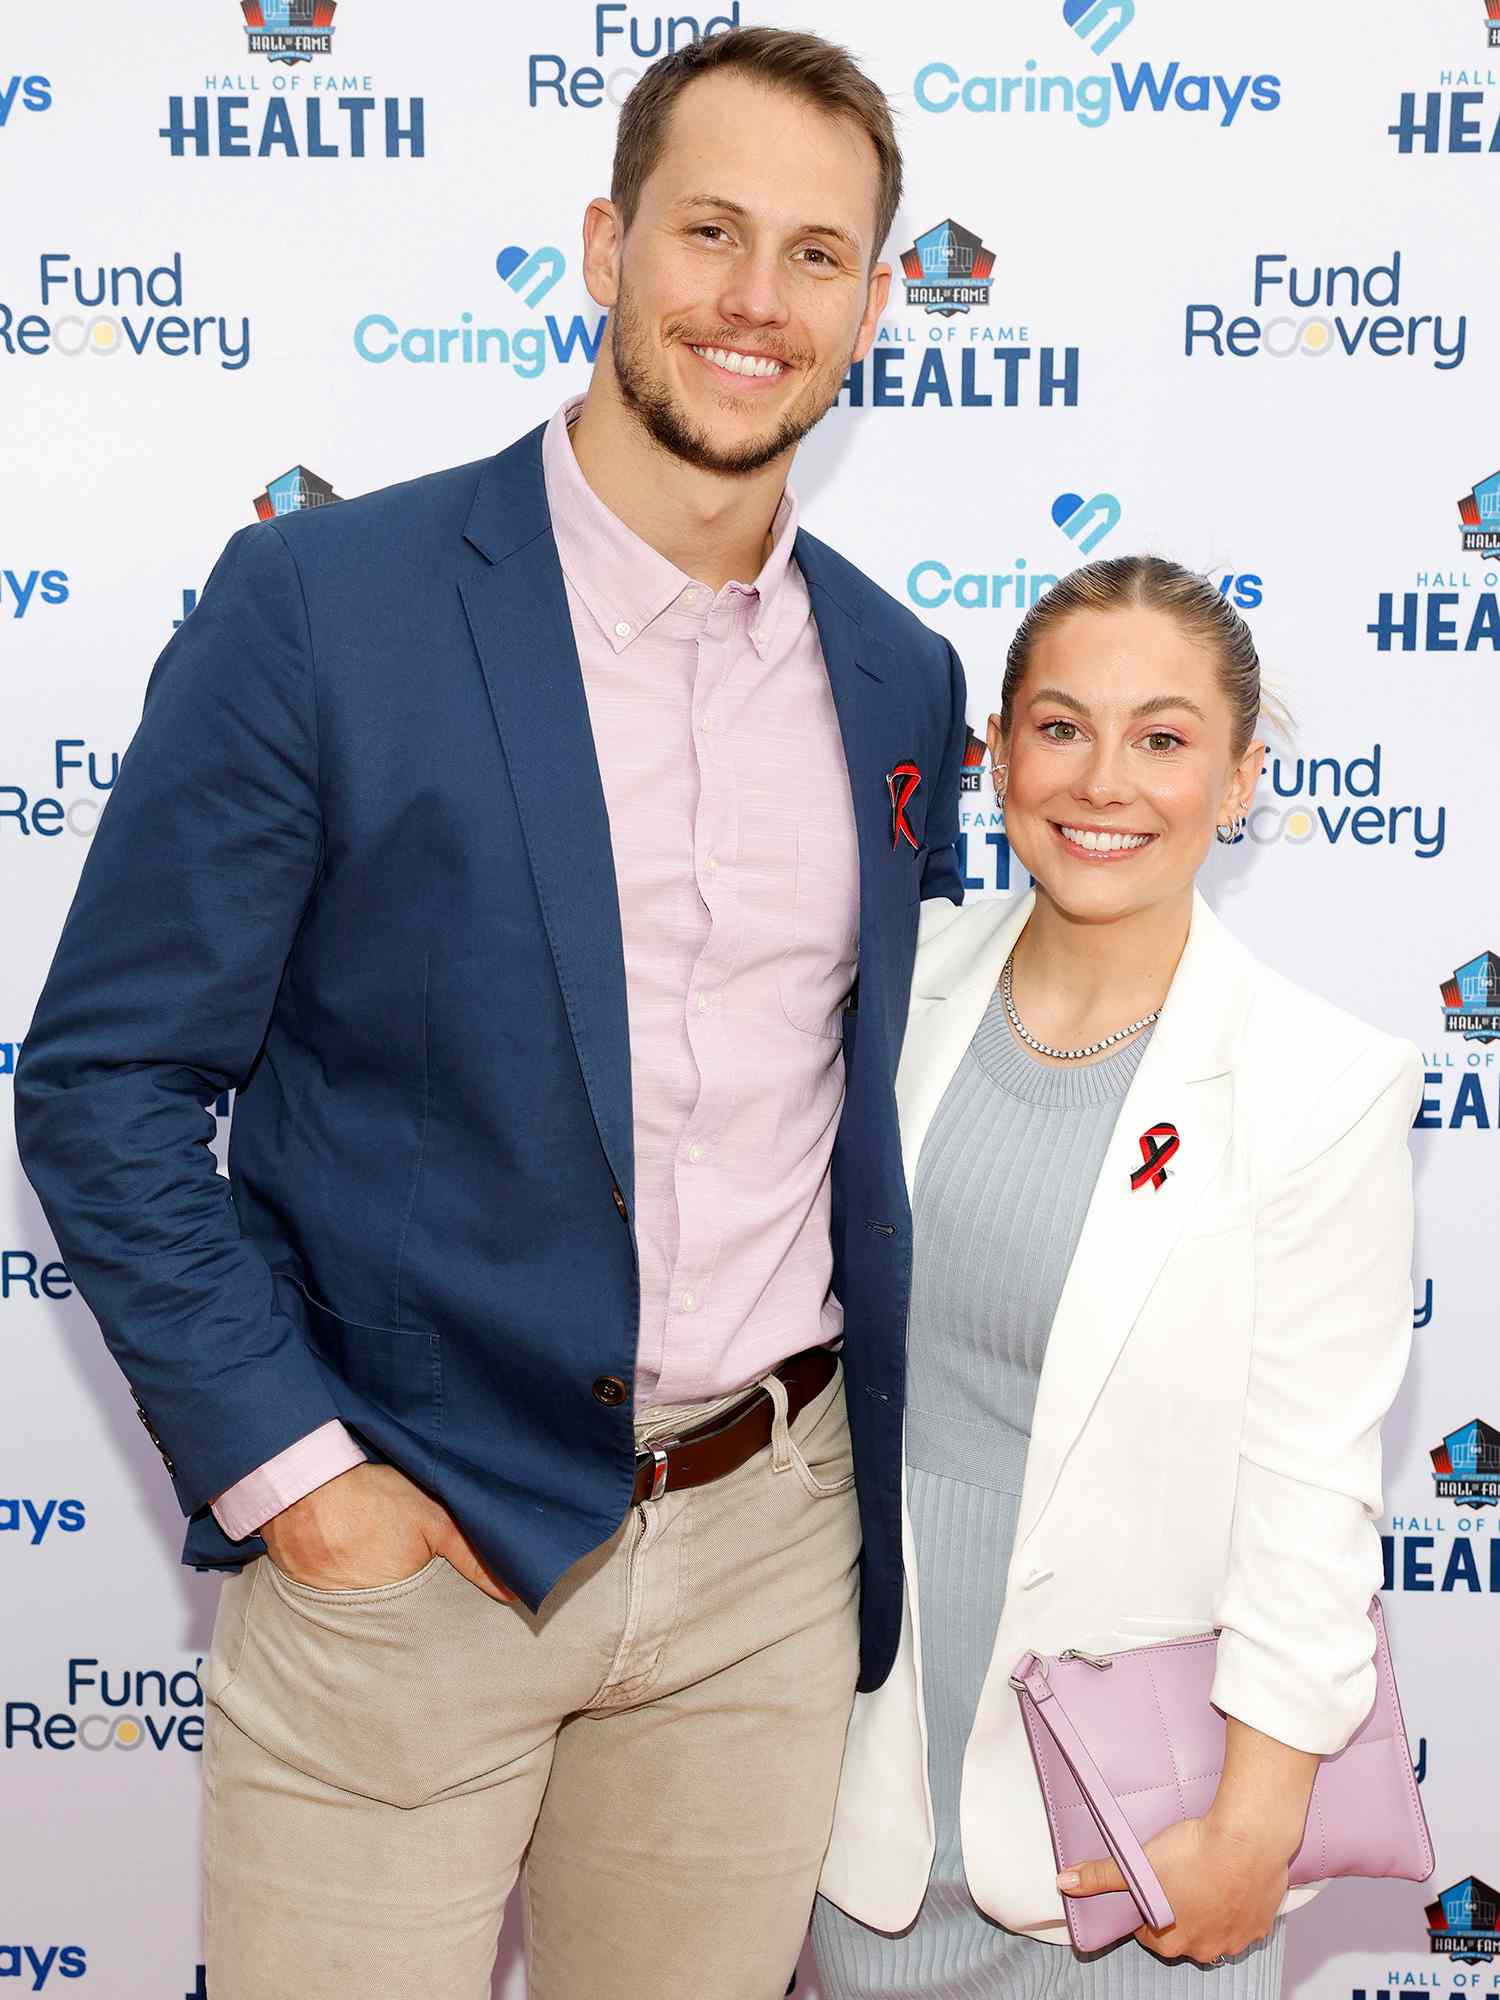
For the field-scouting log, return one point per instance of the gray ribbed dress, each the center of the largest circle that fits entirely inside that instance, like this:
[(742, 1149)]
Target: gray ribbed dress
[(1005, 1176)]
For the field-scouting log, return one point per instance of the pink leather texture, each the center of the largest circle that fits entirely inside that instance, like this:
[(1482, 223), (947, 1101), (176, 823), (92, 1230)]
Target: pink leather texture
[(1124, 1750)]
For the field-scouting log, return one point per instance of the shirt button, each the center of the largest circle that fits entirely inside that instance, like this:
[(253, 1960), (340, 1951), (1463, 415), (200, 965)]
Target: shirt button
[(712, 864), (622, 630), (689, 1302), (706, 726), (619, 1202), (702, 1003), (695, 1152), (610, 1391)]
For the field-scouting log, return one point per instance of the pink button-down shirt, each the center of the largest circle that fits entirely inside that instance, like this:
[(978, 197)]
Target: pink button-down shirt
[(736, 864)]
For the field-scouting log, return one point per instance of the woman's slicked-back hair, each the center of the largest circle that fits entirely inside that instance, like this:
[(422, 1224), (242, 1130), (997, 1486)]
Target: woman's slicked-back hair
[(820, 72), (1202, 612)]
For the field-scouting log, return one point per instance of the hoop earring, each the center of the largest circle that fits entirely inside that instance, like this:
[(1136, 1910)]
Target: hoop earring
[(1229, 834), (1000, 776)]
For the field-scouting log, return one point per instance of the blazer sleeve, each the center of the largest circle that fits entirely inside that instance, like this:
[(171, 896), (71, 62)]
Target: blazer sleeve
[(157, 1001), (941, 875), (1332, 1331)]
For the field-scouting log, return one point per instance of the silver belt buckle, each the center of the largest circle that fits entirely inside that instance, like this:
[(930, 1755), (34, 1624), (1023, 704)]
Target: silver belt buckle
[(659, 1467)]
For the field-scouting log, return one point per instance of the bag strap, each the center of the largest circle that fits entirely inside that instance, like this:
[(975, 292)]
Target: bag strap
[(1129, 1855)]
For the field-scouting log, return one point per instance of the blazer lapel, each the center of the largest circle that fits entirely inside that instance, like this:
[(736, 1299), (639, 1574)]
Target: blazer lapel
[(1185, 1079), (959, 956), (517, 608), (871, 725)]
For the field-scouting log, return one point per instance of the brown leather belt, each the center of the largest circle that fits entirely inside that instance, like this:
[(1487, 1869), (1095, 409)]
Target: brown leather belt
[(723, 1446)]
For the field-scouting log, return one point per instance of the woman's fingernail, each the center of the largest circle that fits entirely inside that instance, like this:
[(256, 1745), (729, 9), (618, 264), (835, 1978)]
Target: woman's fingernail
[(1069, 1879)]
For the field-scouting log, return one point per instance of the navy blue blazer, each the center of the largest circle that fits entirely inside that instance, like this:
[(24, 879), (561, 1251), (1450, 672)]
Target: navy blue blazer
[(357, 867)]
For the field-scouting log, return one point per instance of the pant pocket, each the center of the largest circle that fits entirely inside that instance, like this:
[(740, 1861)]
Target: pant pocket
[(371, 1691), (817, 1447)]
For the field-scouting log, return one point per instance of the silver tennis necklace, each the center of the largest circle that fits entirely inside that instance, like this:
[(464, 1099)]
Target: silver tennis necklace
[(1066, 1055)]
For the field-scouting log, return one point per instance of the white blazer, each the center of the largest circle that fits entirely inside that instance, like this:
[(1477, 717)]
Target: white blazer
[(1206, 1444)]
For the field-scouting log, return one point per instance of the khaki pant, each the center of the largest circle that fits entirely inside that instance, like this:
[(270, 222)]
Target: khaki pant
[(661, 1745)]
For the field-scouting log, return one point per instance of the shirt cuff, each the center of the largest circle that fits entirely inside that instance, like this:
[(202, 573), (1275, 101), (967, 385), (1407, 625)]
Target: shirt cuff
[(292, 1474)]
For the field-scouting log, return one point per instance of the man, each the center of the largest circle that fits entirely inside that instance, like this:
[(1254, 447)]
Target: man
[(548, 891)]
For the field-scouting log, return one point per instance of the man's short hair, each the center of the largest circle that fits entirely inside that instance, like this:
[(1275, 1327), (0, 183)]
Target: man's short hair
[(820, 72)]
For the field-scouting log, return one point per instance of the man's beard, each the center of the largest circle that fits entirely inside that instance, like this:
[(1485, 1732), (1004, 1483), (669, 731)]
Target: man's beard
[(667, 423)]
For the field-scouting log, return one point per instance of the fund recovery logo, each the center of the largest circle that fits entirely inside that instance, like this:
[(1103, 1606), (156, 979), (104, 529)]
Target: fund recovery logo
[(621, 41), (1127, 84), (81, 781), (1341, 802), (475, 338), (23, 1274), (1325, 312), (289, 102), (1451, 610), (153, 1709), (959, 345), (119, 312)]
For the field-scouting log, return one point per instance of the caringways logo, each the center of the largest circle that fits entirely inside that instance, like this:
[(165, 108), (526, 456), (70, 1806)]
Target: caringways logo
[(467, 341), (957, 80)]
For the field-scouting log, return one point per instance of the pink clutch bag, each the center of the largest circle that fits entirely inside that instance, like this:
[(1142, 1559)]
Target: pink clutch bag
[(1129, 1743)]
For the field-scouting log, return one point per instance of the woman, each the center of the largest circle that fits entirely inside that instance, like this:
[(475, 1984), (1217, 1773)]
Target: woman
[(1145, 1382)]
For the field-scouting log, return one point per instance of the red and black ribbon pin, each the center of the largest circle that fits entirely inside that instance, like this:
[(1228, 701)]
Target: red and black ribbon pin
[(901, 784), (1157, 1147)]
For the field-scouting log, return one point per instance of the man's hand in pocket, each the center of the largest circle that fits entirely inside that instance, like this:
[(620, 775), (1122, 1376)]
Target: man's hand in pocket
[(369, 1526)]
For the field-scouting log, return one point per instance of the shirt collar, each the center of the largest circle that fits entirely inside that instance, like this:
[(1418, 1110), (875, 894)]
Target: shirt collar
[(623, 582)]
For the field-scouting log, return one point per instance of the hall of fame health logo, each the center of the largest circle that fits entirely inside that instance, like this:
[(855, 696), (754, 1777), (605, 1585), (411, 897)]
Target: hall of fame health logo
[(1466, 1465), (297, 106), (1492, 11), (947, 270), (292, 492), (1479, 513), (983, 364), (289, 31), (1471, 999), (1461, 1923)]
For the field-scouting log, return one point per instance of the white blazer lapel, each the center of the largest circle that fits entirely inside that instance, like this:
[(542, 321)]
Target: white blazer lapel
[(1184, 1080), (959, 956)]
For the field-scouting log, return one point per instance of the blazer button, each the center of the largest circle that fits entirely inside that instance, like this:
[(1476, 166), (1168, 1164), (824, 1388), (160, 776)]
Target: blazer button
[(619, 1201), (610, 1391)]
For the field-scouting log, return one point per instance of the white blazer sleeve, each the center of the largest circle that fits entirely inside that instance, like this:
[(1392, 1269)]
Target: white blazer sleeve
[(1332, 1331)]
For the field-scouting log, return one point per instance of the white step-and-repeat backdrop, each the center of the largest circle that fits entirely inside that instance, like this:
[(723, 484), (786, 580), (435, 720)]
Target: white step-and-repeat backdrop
[(1242, 307)]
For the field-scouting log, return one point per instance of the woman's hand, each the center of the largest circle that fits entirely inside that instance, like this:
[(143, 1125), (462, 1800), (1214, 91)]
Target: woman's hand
[(1224, 1886), (1224, 1874)]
